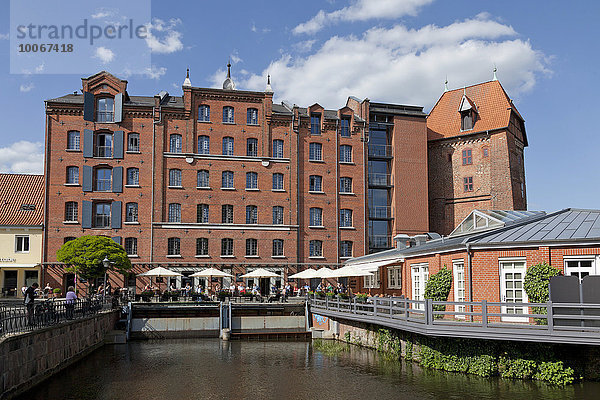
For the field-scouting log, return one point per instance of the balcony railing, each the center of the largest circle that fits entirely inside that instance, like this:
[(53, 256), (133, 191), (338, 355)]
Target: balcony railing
[(380, 179), (380, 150), (101, 221), (380, 212), (380, 241), (103, 151), (105, 116)]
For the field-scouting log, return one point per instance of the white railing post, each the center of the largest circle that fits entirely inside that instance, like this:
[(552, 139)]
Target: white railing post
[(484, 316)]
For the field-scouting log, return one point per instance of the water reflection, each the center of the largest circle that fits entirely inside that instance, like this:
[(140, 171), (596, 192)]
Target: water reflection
[(211, 369)]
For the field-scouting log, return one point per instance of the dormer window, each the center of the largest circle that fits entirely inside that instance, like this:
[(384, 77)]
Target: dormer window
[(105, 109), (315, 123), (468, 113), (466, 120)]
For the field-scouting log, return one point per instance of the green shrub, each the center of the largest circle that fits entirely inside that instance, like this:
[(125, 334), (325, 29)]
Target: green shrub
[(57, 291), (438, 288), (536, 283), (555, 373)]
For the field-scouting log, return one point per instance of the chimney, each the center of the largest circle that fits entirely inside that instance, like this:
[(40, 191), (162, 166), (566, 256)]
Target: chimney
[(402, 241)]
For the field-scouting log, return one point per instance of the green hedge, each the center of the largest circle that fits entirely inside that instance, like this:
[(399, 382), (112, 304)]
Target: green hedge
[(479, 357), (438, 288), (536, 283)]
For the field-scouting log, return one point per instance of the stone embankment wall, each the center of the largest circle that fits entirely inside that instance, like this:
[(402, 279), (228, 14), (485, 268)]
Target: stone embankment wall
[(27, 359), (557, 364)]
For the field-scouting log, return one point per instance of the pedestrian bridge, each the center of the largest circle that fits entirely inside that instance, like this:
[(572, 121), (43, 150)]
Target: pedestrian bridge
[(566, 323)]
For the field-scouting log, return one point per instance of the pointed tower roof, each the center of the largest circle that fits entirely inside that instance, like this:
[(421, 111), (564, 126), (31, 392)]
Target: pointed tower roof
[(228, 84), (187, 82)]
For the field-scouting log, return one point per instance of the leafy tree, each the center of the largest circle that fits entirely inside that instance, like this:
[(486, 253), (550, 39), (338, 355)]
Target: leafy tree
[(438, 288), (536, 284), (84, 256)]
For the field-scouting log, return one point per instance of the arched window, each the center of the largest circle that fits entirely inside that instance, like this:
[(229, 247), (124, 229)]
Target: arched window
[(345, 218), (103, 145), (251, 180), (251, 247), (277, 247), (133, 176), (202, 213), (204, 113), (174, 212), (277, 181), (345, 184), (71, 211), (228, 115), (227, 247), (315, 248), (252, 116), (176, 143), (131, 212), (345, 248), (103, 181), (227, 180), (277, 215), (251, 215), (173, 246), (203, 179), (202, 246), (133, 142), (131, 246), (252, 147), (227, 146), (345, 153), (105, 109), (175, 177), (277, 148), (72, 175), (203, 144), (316, 216), (227, 214), (315, 183), (315, 152), (73, 140)]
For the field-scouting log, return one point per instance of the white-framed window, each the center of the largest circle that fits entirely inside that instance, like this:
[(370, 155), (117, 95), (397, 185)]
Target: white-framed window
[(277, 215), (71, 211), (173, 246), (580, 266), (227, 146), (458, 272), (203, 144), (251, 247), (131, 212), (175, 143), (202, 246), (202, 213), (346, 249), (251, 215), (345, 184), (277, 247), (373, 281), (277, 148), (73, 175), (315, 152), (345, 218), (204, 113), (419, 275), (73, 140), (277, 181), (227, 180), (133, 176), (345, 153), (105, 109), (133, 143), (251, 180), (315, 183), (202, 180), (395, 277), (228, 115), (227, 247), (21, 243)]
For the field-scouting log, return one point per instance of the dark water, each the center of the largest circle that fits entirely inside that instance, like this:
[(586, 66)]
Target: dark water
[(210, 369)]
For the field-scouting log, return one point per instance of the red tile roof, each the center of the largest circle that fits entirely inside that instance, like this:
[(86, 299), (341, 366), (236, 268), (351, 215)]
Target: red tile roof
[(494, 108), (21, 199)]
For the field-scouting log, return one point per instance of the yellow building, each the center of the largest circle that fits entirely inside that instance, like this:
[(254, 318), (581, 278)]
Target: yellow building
[(21, 232)]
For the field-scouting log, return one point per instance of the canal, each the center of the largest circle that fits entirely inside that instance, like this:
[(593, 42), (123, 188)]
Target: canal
[(211, 369)]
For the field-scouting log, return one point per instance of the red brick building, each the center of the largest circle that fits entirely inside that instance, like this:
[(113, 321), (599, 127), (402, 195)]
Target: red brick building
[(489, 253), (226, 178), (475, 139)]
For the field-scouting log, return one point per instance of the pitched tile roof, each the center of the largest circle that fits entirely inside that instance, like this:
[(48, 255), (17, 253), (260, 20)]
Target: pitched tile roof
[(21, 199), (494, 108)]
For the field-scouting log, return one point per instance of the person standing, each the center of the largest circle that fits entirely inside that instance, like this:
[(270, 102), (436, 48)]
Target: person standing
[(29, 300), (71, 298)]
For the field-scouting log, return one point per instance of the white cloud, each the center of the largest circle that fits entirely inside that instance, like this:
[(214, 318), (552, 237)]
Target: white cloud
[(361, 10), (155, 72), (22, 157), (403, 65), (235, 57), (4, 36), (162, 36), (305, 46), (102, 13), (26, 87), (105, 55)]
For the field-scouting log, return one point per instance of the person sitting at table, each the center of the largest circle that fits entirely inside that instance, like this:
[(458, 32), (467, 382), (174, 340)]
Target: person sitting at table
[(241, 289), (187, 289), (172, 288)]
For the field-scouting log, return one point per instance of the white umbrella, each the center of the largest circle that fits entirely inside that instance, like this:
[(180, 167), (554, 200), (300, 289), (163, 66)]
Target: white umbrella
[(350, 270), (260, 273), (210, 272), (306, 274), (324, 273), (160, 272)]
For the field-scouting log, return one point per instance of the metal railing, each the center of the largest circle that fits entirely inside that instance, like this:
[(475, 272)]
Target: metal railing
[(380, 150), (17, 319), (380, 179), (103, 151), (573, 323), (105, 116), (381, 212)]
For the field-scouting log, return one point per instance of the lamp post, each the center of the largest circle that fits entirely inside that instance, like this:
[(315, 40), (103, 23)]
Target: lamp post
[(106, 263)]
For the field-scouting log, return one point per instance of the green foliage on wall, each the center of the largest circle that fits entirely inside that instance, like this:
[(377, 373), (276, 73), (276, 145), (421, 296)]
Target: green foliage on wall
[(536, 283), (481, 357), (438, 288)]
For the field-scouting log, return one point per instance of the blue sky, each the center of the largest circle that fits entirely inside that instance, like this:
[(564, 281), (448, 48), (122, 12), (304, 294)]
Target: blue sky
[(398, 51)]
